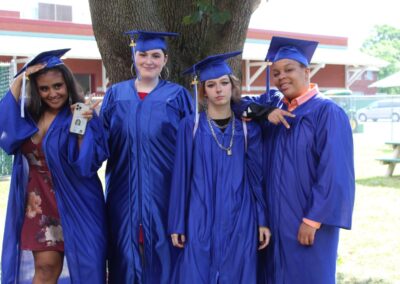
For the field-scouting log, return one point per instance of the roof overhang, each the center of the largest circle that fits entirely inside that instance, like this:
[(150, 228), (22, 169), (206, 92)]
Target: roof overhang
[(390, 81), (18, 44), (256, 50)]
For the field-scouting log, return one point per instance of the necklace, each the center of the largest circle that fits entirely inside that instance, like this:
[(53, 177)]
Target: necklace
[(229, 148), (221, 126)]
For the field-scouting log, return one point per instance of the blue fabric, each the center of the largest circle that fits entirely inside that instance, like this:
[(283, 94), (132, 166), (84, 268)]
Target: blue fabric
[(142, 136), (213, 66), (291, 48), (79, 195), (309, 172), (149, 40), (50, 58), (217, 202)]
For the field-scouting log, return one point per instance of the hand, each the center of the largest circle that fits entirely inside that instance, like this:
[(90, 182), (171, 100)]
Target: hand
[(33, 69), (306, 234), (17, 82), (178, 240), (277, 116), (264, 235), (89, 113)]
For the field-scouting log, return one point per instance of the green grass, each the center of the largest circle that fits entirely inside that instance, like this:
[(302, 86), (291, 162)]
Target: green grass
[(389, 182)]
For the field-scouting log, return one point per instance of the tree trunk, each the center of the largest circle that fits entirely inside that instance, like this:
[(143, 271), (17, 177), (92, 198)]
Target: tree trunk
[(111, 19)]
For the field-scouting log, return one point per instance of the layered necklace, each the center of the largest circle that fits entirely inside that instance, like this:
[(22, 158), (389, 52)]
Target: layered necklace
[(229, 148)]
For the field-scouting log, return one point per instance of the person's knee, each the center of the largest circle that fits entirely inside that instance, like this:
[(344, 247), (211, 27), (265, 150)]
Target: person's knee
[(47, 271)]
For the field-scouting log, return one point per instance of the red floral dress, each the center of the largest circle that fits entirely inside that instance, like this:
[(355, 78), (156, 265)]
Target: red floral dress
[(42, 229)]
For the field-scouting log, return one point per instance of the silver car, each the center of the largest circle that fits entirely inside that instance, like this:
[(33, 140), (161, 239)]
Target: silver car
[(383, 109)]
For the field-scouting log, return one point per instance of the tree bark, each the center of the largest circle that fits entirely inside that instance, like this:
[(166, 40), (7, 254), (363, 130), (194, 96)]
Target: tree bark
[(110, 19)]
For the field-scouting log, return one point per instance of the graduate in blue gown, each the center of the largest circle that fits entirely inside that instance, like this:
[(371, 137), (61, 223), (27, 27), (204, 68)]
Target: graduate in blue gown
[(308, 167), (69, 170), (142, 117), (217, 213)]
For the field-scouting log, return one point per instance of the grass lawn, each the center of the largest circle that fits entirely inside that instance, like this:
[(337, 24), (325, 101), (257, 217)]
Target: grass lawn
[(370, 252)]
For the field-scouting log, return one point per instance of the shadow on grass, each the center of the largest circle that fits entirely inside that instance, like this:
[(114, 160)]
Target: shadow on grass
[(392, 182), (344, 279)]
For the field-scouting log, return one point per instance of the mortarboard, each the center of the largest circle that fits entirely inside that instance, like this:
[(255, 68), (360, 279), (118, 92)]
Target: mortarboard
[(211, 67), (144, 41), (50, 58), (289, 48)]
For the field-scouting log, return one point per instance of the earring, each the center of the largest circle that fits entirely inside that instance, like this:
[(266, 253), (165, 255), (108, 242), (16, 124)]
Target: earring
[(70, 100), (166, 73)]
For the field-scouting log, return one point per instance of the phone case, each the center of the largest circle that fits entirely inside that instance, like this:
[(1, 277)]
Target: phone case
[(78, 124)]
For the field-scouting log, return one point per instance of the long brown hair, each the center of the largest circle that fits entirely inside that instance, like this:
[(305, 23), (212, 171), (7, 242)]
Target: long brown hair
[(36, 107)]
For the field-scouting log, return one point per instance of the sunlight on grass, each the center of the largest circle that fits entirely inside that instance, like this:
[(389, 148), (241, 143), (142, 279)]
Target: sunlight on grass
[(390, 182)]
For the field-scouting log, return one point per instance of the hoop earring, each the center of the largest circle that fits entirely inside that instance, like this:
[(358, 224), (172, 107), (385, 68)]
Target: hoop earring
[(166, 73)]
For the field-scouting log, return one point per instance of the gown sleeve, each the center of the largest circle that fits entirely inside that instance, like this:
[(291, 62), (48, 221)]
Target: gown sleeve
[(181, 178), (332, 196), (182, 102), (254, 171), (14, 129), (106, 109), (93, 151)]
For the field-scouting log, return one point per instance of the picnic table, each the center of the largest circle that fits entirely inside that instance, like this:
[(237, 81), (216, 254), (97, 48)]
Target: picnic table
[(394, 159)]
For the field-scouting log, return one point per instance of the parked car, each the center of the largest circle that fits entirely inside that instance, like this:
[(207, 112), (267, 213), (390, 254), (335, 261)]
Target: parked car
[(383, 109), (344, 98)]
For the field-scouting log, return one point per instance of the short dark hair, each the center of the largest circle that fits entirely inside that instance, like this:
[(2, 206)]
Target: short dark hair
[(35, 106)]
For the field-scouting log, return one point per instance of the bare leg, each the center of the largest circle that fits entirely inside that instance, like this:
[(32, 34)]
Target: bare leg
[(48, 266)]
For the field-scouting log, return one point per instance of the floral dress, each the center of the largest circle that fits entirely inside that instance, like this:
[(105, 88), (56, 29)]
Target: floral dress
[(42, 229)]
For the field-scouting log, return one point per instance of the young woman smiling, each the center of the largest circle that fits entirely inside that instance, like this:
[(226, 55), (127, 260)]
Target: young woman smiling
[(56, 204), (142, 116)]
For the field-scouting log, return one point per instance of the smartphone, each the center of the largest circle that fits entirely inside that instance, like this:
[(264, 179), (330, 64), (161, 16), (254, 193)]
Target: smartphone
[(78, 124)]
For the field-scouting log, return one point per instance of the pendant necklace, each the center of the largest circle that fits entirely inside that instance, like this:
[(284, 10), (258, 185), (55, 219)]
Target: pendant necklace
[(229, 148)]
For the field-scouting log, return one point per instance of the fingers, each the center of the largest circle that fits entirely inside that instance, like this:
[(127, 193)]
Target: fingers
[(178, 240), (95, 104), (284, 122), (277, 116), (306, 235), (33, 69)]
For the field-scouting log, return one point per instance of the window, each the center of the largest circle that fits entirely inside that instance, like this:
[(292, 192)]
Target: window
[(54, 12), (84, 81)]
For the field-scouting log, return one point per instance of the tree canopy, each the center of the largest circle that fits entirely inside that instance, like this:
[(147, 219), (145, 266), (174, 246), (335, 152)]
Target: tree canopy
[(205, 26), (384, 43)]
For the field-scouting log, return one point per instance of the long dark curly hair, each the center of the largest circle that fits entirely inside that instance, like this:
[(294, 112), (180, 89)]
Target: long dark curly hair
[(36, 107)]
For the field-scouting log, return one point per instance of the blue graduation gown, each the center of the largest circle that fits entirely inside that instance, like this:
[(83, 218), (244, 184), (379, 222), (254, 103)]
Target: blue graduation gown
[(79, 195), (309, 173), (142, 136), (217, 202)]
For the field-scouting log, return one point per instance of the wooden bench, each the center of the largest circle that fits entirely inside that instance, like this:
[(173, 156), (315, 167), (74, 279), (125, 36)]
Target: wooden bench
[(391, 161)]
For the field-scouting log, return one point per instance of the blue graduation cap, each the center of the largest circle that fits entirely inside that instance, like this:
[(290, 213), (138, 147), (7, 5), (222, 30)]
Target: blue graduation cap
[(289, 48), (50, 58), (212, 67), (143, 40)]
